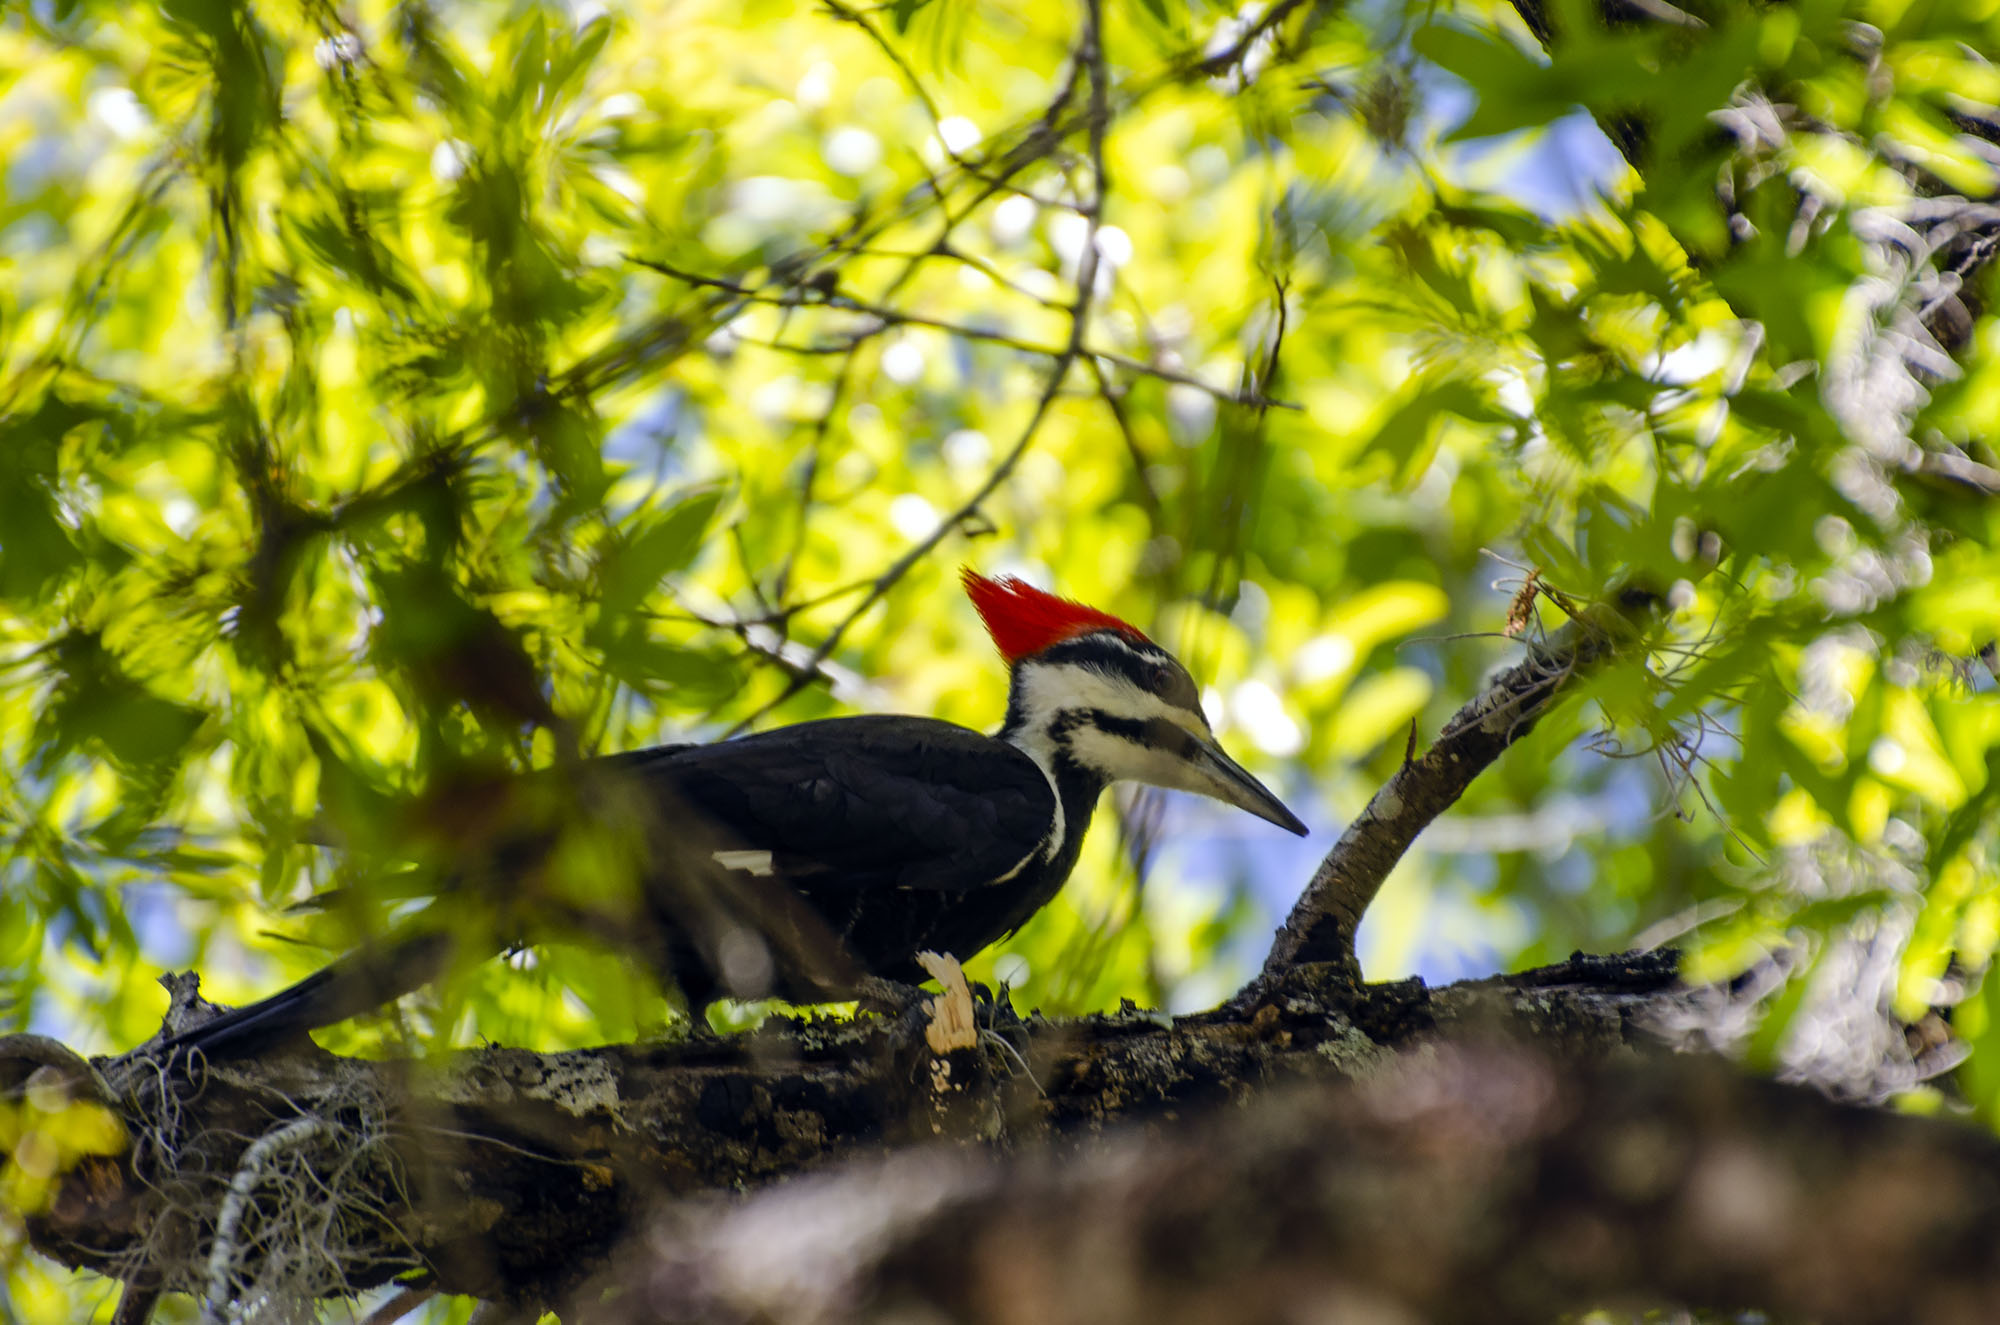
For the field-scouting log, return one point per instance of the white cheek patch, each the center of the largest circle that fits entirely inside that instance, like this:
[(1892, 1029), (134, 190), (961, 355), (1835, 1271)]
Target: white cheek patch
[(746, 862), (1047, 690), (1122, 760)]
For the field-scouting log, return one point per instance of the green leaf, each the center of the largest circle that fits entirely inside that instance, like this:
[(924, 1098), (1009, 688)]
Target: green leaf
[(654, 667), (660, 546), (1410, 434), (96, 703)]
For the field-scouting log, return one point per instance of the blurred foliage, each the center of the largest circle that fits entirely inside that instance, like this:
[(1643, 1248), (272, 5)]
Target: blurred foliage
[(388, 388)]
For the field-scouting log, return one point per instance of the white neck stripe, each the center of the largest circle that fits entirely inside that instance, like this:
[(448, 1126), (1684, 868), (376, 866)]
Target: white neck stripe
[(1034, 741)]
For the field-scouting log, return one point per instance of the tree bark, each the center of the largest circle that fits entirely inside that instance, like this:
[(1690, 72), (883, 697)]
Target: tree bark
[(1482, 1185), (511, 1175)]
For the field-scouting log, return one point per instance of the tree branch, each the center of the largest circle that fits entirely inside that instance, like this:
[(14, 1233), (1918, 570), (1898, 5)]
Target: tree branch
[(1483, 1184), (512, 1176), (1322, 924)]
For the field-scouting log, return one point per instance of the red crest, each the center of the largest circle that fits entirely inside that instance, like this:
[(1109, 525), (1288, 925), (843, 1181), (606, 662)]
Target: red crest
[(1023, 620)]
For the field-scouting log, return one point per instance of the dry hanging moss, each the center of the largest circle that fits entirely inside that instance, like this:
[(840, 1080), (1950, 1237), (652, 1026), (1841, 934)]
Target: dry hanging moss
[(260, 1217)]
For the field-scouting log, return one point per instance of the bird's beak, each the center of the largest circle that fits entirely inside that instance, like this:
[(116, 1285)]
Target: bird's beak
[(1227, 781)]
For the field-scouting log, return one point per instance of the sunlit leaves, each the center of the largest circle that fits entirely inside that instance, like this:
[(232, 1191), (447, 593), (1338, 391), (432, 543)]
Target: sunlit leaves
[(390, 386)]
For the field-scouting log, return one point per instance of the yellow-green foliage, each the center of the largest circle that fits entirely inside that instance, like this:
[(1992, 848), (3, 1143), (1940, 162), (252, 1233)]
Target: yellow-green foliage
[(377, 380)]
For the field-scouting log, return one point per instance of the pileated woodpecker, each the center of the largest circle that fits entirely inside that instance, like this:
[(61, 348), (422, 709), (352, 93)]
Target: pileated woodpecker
[(877, 836)]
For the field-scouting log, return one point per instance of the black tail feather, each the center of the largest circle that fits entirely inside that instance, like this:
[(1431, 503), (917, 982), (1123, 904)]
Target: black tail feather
[(355, 984)]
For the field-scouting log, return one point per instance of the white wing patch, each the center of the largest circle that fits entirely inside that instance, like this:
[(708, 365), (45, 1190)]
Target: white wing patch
[(748, 862)]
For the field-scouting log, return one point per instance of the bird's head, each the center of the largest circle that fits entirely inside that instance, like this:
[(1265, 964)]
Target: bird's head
[(1094, 690)]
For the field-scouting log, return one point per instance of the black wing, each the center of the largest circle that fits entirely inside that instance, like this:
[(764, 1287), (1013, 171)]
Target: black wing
[(887, 826), (866, 802)]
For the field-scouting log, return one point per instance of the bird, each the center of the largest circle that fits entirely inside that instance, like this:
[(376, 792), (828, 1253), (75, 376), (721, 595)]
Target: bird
[(805, 861)]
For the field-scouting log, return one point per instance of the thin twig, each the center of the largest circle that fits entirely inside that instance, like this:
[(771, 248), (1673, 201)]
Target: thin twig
[(847, 14), (886, 318), (1114, 402), (1089, 54), (809, 478), (1234, 53)]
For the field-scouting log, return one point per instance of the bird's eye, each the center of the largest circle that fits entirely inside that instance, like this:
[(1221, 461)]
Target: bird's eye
[(1159, 678)]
